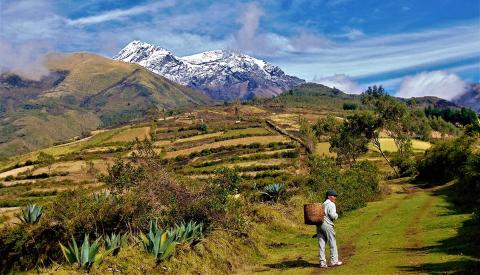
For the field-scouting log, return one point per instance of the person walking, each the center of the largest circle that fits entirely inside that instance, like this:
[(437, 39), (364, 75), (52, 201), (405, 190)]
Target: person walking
[(326, 231)]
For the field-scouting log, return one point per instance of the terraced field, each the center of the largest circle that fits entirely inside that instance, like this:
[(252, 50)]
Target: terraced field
[(248, 145), (238, 139)]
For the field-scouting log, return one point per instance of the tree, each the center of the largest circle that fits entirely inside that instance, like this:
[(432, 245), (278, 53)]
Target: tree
[(46, 159), (352, 138), (326, 126), (391, 117)]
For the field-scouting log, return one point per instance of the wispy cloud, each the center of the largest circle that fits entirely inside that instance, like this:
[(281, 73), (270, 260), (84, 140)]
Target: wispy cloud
[(247, 38), (120, 13), (387, 53), (352, 33)]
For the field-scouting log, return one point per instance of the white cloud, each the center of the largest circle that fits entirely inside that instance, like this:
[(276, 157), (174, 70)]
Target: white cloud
[(25, 59), (436, 83), (341, 82), (371, 55), (352, 33), (119, 13), (246, 38)]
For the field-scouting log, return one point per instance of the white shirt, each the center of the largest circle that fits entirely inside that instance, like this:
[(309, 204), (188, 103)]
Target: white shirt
[(330, 212)]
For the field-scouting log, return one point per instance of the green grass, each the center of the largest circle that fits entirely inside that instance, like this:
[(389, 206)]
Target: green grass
[(257, 131), (389, 145), (402, 233)]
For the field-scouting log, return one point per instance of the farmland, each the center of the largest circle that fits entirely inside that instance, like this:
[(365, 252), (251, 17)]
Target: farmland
[(194, 146), (257, 151)]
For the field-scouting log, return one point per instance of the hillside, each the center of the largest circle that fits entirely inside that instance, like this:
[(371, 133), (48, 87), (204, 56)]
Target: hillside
[(320, 97), (312, 95), (82, 92), (263, 235)]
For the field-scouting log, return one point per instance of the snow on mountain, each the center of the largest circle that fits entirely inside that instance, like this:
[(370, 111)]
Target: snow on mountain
[(221, 74)]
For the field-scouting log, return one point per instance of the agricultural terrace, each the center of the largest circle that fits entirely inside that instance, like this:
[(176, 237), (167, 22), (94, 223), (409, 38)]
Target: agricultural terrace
[(193, 145)]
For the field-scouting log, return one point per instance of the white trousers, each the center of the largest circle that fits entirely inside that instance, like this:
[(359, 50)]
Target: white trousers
[(326, 234)]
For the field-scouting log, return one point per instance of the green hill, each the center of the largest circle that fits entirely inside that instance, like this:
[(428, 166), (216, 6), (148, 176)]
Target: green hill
[(312, 96), (320, 97), (82, 92)]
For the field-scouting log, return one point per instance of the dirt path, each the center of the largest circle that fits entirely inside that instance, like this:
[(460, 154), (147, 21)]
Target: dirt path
[(390, 236)]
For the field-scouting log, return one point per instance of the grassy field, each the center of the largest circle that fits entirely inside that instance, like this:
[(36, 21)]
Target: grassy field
[(323, 149), (230, 142), (410, 231), (389, 145), (248, 131), (131, 134)]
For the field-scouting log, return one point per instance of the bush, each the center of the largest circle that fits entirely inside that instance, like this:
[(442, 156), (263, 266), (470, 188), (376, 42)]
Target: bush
[(355, 186), (349, 106), (445, 161), (405, 164), (122, 175), (203, 127)]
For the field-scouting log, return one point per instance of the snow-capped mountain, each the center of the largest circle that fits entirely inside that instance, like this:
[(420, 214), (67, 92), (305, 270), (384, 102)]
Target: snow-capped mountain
[(221, 74)]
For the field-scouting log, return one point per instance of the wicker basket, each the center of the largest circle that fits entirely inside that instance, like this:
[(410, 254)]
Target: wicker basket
[(313, 213)]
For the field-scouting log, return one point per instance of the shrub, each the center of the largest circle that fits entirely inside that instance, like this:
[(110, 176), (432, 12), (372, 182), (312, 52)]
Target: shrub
[(355, 186), (122, 175), (203, 127), (405, 164), (445, 161), (228, 180), (31, 214), (24, 247), (349, 106)]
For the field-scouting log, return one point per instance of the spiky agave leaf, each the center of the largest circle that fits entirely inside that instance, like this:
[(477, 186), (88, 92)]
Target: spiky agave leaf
[(85, 252), (69, 254), (167, 246), (31, 214)]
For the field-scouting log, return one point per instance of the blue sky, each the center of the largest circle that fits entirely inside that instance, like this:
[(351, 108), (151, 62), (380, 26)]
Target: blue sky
[(411, 47)]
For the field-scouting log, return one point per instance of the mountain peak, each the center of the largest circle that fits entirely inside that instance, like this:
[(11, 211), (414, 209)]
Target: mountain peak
[(137, 50), (221, 74)]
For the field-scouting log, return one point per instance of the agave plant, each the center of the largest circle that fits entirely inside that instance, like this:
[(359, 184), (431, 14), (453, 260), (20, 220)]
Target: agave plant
[(86, 256), (115, 241), (31, 214), (157, 242), (187, 232), (102, 196), (273, 191)]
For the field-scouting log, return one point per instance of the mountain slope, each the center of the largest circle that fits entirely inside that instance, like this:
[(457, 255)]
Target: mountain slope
[(82, 92), (222, 75), (471, 97)]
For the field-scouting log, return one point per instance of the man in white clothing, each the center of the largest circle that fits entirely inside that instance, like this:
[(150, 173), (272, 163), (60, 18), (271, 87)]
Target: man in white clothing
[(326, 231)]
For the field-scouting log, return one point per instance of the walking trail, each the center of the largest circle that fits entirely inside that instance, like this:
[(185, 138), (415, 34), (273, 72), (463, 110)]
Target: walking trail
[(406, 232)]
